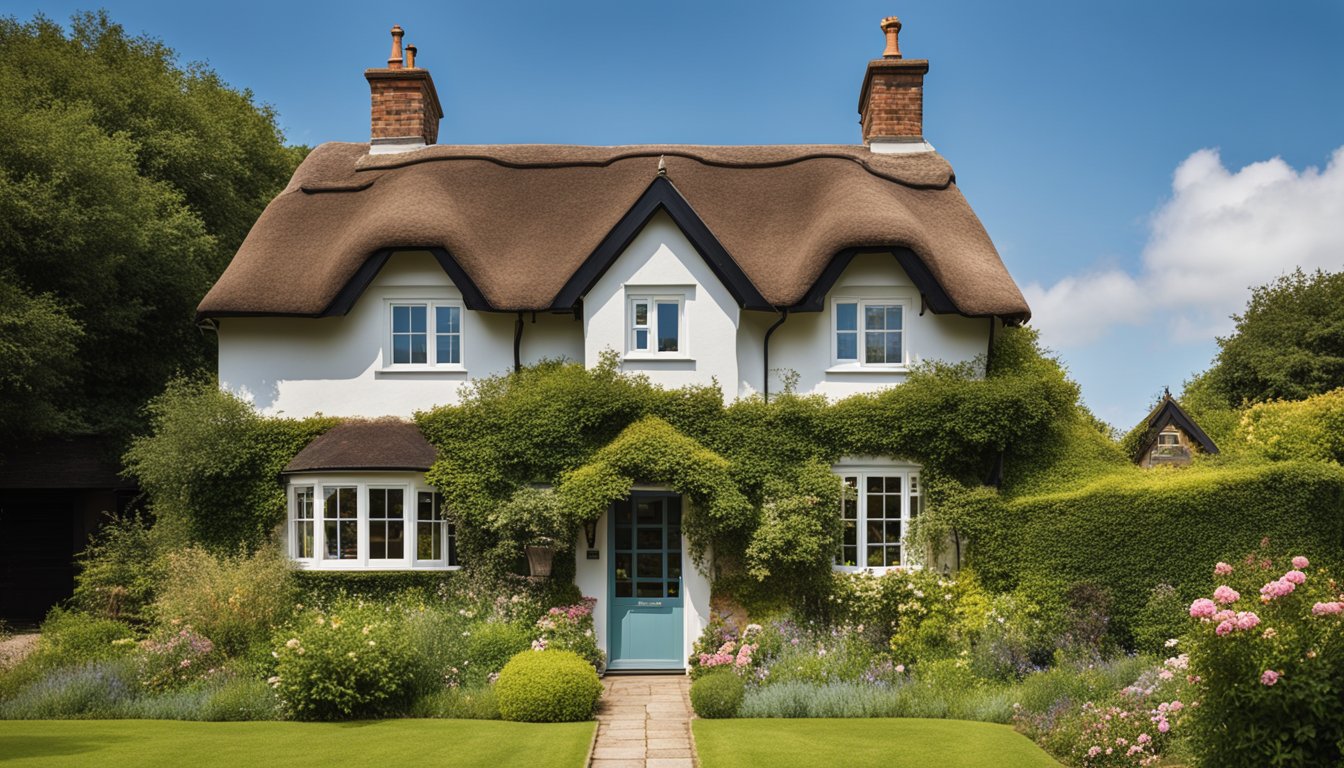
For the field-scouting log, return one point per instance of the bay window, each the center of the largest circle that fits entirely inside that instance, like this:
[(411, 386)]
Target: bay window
[(381, 521)]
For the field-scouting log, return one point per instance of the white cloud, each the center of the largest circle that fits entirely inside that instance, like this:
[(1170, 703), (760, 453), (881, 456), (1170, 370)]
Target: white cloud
[(1220, 233)]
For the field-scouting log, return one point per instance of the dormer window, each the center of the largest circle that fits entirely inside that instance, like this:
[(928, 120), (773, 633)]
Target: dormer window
[(656, 326), (1168, 438), (424, 334)]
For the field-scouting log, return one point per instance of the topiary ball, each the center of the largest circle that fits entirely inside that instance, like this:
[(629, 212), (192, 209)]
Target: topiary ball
[(548, 687), (718, 694)]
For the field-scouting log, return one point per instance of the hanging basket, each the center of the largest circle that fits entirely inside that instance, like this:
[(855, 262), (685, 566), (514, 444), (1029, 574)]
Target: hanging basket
[(539, 560)]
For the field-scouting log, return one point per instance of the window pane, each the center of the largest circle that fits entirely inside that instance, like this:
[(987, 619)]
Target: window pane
[(894, 348), (673, 589), (874, 317), (622, 566), (641, 339), (417, 319), (428, 544), (303, 539), (874, 348), (448, 319), (894, 317), (377, 502), (418, 346), (847, 317), (641, 313), (396, 540), (377, 540), (649, 589), (401, 319), (448, 350), (623, 589), (846, 345), (401, 348), (650, 566), (668, 326), (875, 485), (650, 539), (452, 544)]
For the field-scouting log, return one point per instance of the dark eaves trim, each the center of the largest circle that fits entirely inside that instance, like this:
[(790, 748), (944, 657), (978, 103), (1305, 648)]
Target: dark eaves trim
[(931, 292), (661, 195)]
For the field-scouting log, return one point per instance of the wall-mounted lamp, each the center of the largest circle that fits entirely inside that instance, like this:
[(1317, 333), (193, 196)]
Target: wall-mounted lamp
[(590, 533)]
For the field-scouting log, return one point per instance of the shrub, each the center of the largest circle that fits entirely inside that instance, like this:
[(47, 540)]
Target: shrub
[(489, 647), (175, 659), (570, 628), (355, 661), (119, 571), (237, 601), (1161, 619), (1296, 429), (548, 687), (717, 694), (1268, 650), (71, 637), (98, 689)]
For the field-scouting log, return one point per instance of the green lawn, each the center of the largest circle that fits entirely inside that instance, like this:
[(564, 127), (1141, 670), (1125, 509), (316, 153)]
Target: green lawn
[(856, 743), (150, 743)]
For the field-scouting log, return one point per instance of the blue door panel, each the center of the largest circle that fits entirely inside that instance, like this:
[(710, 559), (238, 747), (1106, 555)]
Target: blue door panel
[(645, 583)]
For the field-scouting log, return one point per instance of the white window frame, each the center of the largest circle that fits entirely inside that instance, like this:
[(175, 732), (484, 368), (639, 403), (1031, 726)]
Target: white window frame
[(295, 521), (1175, 438), (912, 503), (859, 362), (431, 335), (411, 488), (653, 299)]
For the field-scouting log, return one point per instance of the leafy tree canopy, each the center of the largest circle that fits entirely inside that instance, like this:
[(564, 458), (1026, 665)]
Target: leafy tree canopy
[(1288, 344), (126, 184)]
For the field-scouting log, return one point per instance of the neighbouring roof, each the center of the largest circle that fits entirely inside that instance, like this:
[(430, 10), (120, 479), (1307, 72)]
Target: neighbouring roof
[(379, 444), (1169, 413), (516, 223)]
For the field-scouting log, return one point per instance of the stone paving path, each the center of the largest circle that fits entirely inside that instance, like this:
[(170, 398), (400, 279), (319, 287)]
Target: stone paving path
[(644, 721)]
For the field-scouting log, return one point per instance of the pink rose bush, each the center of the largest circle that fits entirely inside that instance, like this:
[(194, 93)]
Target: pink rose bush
[(570, 628), (1268, 640)]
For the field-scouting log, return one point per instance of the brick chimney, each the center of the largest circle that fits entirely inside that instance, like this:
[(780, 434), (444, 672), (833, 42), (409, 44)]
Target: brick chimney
[(891, 104), (405, 109)]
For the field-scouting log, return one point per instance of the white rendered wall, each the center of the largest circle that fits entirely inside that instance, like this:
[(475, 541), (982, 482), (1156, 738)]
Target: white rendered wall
[(590, 576), (803, 344), (334, 365), (661, 261)]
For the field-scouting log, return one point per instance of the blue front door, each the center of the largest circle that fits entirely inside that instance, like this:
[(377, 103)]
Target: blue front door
[(645, 583)]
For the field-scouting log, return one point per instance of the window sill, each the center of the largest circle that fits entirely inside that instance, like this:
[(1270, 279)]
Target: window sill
[(422, 370), (644, 357), (355, 566), (875, 570), (860, 368)]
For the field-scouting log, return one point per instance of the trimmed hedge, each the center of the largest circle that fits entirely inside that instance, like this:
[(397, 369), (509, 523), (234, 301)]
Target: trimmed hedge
[(1130, 531), (548, 687), (325, 586)]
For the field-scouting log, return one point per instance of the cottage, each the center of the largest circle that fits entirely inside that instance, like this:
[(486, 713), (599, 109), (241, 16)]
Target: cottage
[(1170, 437), (388, 274)]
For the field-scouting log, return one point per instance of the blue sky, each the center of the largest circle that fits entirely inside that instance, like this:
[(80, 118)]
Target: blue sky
[(1066, 122)]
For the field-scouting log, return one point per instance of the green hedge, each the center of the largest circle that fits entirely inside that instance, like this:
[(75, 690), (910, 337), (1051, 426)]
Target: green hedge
[(1133, 530), (324, 586)]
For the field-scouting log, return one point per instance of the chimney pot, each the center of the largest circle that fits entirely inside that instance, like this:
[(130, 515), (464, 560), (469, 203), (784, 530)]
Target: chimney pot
[(410, 57), (394, 60), (891, 26)]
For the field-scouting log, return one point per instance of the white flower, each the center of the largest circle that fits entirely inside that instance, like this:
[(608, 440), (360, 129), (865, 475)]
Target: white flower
[(1172, 642)]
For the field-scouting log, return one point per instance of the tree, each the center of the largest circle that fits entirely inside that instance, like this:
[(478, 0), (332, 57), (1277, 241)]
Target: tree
[(126, 184), (1288, 344)]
